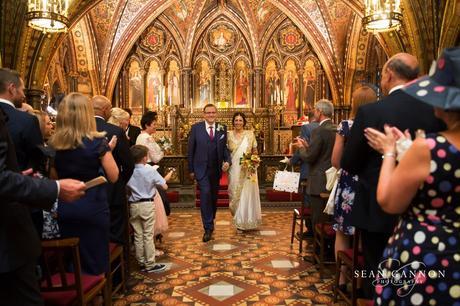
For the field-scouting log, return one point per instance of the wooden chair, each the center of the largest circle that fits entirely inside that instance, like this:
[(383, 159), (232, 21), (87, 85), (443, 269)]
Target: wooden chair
[(300, 216), (117, 265), (323, 234), (353, 260), (61, 287)]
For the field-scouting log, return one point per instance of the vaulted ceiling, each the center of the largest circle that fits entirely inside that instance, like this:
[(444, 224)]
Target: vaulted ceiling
[(104, 31)]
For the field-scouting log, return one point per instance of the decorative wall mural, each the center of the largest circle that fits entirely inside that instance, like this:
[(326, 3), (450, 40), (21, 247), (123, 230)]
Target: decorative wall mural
[(173, 83), (221, 38), (272, 84), (154, 86), (136, 86), (203, 83), (291, 38), (241, 84), (309, 85), (153, 40), (291, 85)]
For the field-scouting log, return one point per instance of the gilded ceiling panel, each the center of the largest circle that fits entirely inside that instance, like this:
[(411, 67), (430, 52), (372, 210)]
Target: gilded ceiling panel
[(341, 15), (131, 10), (312, 9), (180, 12), (101, 17)]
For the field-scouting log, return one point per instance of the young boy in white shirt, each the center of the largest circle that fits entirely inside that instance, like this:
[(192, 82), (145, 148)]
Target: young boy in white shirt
[(142, 186)]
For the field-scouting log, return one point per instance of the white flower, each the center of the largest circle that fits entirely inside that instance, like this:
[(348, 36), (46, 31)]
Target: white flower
[(220, 127)]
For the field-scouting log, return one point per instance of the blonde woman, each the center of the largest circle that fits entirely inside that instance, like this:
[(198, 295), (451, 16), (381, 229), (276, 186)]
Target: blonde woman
[(119, 117), (347, 183), (46, 126), (83, 153)]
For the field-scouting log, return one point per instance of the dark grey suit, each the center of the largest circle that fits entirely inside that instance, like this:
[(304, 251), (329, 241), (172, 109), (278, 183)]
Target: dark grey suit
[(318, 157), (19, 241)]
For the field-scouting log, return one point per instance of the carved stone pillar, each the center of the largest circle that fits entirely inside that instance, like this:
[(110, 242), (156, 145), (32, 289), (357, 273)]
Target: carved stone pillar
[(175, 128), (34, 97), (251, 82), (300, 94), (271, 130), (73, 81), (145, 92), (282, 87), (212, 89), (186, 86), (257, 89)]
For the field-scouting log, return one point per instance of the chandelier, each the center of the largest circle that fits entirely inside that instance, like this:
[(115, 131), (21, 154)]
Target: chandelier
[(382, 15), (49, 16)]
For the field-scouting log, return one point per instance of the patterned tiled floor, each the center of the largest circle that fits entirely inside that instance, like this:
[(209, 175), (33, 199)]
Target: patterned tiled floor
[(252, 268)]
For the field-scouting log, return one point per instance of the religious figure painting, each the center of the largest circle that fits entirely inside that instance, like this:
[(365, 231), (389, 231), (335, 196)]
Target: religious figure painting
[(136, 92), (291, 86), (154, 86), (204, 83), (221, 38), (241, 84), (272, 84), (173, 84), (309, 84)]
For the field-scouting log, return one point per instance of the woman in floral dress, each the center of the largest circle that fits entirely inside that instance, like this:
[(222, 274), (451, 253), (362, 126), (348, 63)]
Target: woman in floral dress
[(347, 183)]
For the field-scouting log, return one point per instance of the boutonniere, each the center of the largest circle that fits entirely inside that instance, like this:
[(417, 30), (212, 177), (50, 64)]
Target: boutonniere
[(220, 127)]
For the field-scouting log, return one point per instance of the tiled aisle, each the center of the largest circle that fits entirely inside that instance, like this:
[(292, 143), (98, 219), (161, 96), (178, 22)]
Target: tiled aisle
[(251, 268)]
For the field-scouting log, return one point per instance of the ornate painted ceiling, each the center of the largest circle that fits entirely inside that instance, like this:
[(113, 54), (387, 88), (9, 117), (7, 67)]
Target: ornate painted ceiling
[(104, 31)]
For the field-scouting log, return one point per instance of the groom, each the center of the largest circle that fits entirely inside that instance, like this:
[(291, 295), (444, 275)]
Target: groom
[(208, 156)]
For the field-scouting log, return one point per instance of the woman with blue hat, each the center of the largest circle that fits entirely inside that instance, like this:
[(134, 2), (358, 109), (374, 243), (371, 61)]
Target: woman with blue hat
[(421, 263)]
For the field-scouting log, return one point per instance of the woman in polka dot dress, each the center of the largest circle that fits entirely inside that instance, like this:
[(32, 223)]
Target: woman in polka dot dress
[(421, 263)]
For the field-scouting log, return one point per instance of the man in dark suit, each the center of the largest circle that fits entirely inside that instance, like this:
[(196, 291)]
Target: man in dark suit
[(305, 133), (208, 156), (317, 154), (25, 133), (19, 242), (132, 131), (23, 127), (396, 109), (116, 192)]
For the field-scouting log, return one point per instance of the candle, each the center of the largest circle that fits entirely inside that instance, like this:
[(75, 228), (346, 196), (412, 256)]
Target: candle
[(191, 106)]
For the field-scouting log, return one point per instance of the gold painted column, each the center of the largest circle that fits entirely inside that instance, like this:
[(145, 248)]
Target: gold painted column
[(257, 90), (212, 89), (301, 91), (187, 89)]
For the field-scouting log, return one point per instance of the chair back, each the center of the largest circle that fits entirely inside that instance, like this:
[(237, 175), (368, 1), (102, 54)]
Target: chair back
[(58, 256)]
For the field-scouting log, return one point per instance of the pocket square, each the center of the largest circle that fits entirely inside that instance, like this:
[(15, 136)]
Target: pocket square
[(221, 137)]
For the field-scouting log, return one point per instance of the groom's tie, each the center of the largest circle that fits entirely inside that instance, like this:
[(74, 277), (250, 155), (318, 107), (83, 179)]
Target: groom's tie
[(211, 133)]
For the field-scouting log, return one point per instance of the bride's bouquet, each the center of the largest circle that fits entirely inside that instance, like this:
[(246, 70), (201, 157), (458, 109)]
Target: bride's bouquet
[(164, 143), (250, 162)]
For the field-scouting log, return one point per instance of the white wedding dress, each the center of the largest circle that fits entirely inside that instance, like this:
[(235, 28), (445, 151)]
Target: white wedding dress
[(243, 187)]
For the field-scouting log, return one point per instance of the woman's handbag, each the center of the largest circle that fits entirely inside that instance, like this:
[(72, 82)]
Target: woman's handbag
[(330, 205), (286, 180), (331, 177)]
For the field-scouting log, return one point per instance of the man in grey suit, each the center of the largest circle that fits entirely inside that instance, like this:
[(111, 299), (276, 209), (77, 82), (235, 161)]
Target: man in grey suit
[(317, 154)]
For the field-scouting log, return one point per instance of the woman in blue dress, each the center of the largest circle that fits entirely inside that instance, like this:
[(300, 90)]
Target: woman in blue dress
[(346, 185), (83, 153)]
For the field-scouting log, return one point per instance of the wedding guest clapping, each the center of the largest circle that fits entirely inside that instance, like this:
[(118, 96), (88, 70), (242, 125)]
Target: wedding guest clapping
[(422, 257)]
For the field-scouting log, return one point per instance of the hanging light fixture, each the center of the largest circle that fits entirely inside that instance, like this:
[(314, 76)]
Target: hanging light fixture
[(49, 16), (382, 15)]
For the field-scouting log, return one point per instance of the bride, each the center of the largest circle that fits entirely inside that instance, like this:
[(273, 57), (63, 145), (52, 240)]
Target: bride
[(243, 187)]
